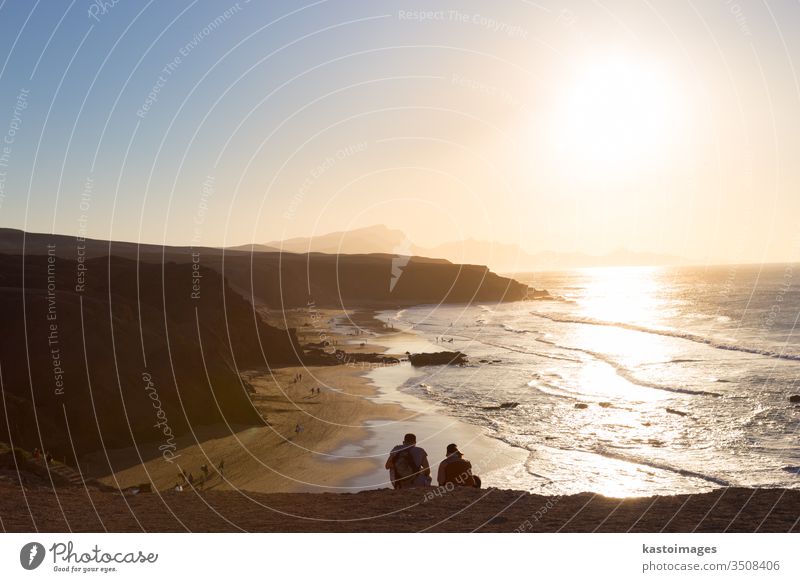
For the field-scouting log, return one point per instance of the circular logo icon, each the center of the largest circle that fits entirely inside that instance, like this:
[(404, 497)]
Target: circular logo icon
[(31, 555)]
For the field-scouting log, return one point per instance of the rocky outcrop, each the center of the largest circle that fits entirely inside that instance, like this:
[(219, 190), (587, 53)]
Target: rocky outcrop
[(502, 406), (316, 356), (677, 412), (438, 359), (538, 295)]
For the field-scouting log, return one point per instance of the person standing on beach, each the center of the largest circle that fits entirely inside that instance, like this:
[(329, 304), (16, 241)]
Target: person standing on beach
[(408, 465), (456, 470)]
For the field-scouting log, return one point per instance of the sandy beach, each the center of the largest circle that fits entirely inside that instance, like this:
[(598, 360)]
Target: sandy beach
[(345, 430)]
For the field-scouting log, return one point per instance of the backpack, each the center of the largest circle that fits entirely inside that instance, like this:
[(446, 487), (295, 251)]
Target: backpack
[(405, 469)]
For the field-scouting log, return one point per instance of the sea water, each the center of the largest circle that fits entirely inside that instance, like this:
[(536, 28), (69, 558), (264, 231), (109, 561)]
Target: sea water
[(631, 381)]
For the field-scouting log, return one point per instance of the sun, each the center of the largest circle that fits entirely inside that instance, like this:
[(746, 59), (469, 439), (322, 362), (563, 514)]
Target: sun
[(616, 115)]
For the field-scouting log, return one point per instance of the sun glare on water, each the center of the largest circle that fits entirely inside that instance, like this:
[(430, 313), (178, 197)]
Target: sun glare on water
[(626, 296), (617, 115)]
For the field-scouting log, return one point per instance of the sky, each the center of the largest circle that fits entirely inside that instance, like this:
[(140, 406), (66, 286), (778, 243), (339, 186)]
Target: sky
[(656, 126)]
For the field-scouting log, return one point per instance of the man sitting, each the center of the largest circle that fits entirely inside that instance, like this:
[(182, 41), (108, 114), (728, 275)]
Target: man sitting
[(408, 465), (456, 470)]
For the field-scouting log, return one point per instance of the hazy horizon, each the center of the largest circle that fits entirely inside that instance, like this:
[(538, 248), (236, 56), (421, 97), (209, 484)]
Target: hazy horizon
[(560, 127), (502, 264)]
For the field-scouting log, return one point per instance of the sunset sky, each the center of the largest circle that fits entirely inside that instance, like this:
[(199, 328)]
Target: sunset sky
[(659, 126)]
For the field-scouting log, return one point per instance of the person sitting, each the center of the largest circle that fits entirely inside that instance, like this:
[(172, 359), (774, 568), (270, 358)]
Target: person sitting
[(456, 470), (408, 465)]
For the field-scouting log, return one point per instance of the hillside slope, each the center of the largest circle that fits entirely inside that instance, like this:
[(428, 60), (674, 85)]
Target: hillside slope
[(129, 359)]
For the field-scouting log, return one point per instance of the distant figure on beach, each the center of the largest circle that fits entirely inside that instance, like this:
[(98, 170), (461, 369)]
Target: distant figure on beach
[(408, 465), (221, 468), (204, 469), (456, 470), (36, 454), (49, 458), (190, 478), (298, 428)]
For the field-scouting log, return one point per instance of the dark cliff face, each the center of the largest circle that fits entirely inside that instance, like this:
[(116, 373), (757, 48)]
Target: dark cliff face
[(351, 281), (281, 280), (132, 357)]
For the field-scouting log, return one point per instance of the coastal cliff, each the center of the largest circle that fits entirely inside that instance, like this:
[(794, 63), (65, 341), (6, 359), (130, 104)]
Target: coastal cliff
[(129, 358), (137, 347), (288, 280)]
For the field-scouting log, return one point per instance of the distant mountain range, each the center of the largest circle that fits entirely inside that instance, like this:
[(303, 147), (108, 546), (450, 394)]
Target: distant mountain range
[(497, 256), (378, 239), (359, 241)]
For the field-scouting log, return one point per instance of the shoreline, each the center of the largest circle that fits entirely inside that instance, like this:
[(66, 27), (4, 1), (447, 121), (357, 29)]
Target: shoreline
[(434, 428), (346, 431)]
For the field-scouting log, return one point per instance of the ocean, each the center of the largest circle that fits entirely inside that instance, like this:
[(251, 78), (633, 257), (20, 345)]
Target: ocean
[(631, 381)]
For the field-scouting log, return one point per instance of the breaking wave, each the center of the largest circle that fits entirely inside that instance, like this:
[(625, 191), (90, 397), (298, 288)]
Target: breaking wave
[(671, 333)]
